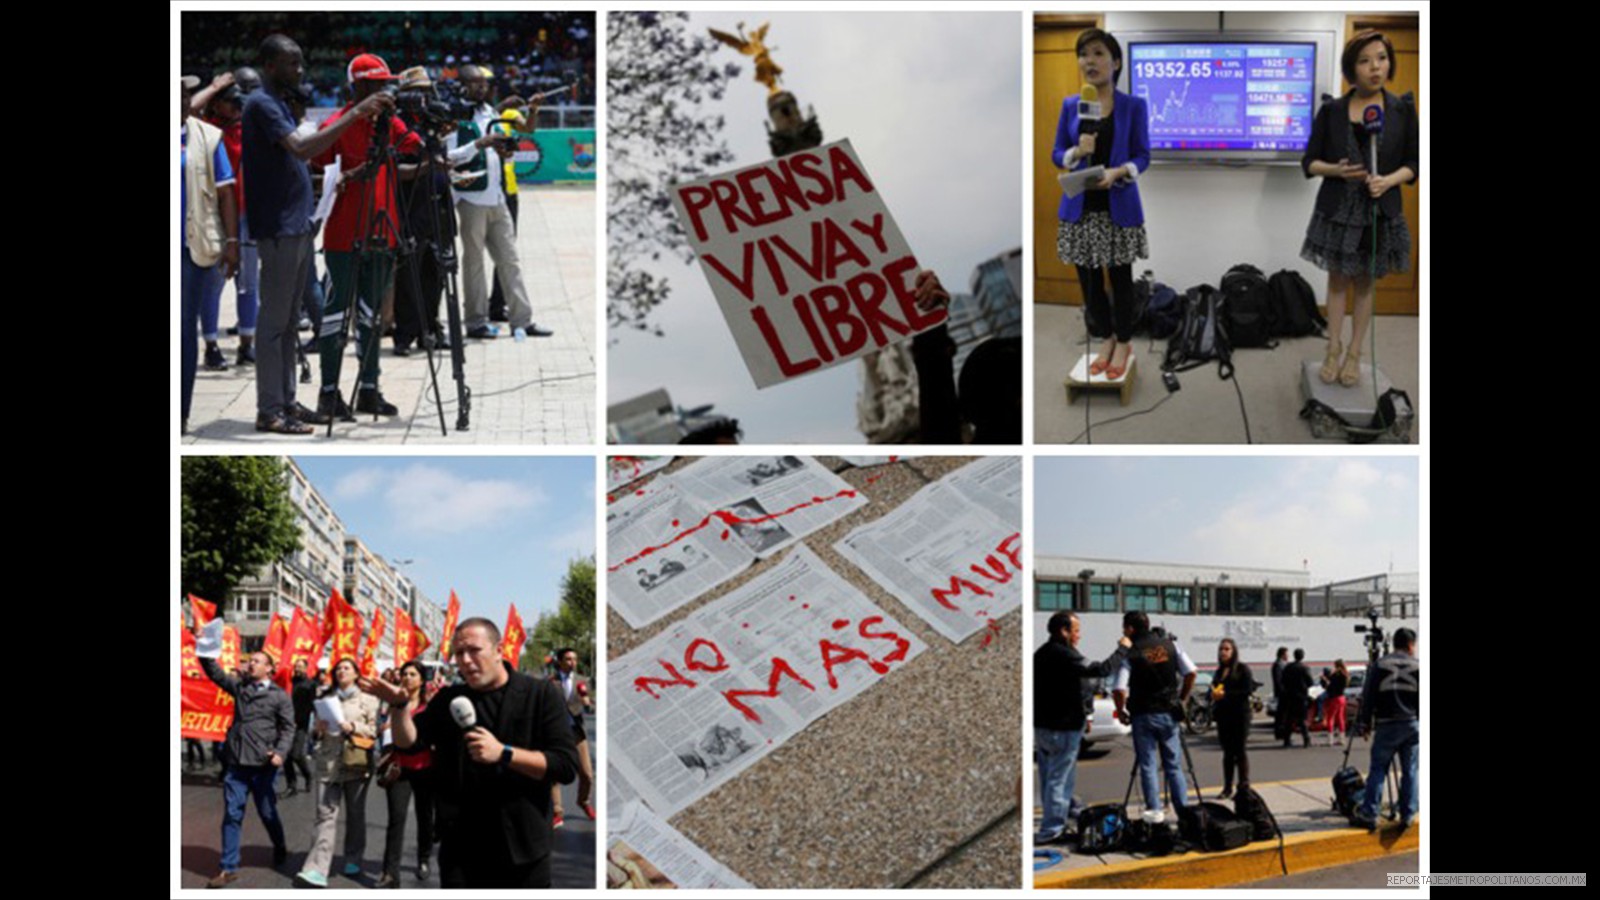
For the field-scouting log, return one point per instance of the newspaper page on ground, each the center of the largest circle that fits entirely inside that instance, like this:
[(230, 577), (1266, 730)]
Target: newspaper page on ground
[(644, 852), (953, 552), (708, 521), (622, 471), (708, 697)]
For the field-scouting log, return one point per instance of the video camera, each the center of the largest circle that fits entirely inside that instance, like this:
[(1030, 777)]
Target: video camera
[(433, 109), (1376, 642)]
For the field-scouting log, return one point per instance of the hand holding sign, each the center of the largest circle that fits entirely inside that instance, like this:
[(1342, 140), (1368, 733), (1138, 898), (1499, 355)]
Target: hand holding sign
[(805, 261), (208, 640)]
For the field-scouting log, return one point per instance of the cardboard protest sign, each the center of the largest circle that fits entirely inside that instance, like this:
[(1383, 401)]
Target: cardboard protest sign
[(805, 261)]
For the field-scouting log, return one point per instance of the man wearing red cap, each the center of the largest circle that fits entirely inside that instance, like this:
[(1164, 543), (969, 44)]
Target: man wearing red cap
[(360, 254)]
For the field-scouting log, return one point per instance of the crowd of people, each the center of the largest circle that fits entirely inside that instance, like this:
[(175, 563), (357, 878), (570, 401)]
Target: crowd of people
[(478, 751), (403, 167), (1152, 679)]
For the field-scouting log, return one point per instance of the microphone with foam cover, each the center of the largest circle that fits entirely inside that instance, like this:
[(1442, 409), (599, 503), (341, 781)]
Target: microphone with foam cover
[(1089, 110), (465, 714), (1372, 123)]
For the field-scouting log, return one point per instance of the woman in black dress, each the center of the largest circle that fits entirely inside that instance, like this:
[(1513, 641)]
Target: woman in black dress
[(1358, 230), (1231, 686)]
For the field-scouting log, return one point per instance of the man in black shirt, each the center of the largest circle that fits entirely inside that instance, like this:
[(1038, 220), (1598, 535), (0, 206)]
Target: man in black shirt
[(1149, 697), (492, 779), (257, 742), (1392, 698), (1061, 681), (1295, 700), (302, 693)]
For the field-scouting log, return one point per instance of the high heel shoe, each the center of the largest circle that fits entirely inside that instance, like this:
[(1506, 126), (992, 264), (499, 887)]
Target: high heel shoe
[(1115, 372), (1330, 363), (1350, 372)]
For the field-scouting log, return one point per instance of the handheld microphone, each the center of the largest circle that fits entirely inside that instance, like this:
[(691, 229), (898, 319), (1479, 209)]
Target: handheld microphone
[(1089, 110), (465, 714), (1372, 122)]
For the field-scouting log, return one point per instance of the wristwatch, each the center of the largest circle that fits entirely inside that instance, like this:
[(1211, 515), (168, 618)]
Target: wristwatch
[(505, 757)]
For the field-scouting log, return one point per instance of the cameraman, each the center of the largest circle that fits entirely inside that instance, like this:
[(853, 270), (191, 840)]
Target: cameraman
[(1392, 698), (429, 214), (366, 187), (1149, 698), (484, 216)]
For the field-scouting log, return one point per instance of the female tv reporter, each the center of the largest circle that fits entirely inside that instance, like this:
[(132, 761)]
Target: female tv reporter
[(1102, 229), (343, 765), (1358, 230), (1231, 687)]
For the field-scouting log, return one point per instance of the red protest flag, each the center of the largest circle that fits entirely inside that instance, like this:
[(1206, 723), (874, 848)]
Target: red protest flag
[(277, 636), (229, 660), (452, 614), (205, 711), (204, 610), (304, 643), (341, 626), (404, 631), (369, 661), (511, 642)]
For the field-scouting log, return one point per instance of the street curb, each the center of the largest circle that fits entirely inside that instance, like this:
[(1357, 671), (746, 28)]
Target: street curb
[(1253, 862)]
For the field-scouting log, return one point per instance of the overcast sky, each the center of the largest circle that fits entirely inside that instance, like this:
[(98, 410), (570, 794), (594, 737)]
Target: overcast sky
[(932, 103), (497, 530), (1336, 517)]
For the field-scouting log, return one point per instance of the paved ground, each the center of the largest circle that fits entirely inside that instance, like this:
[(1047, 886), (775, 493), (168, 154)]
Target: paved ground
[(914, 783), (540, 391), (1206, 409), (201, 811), (1365, 874)]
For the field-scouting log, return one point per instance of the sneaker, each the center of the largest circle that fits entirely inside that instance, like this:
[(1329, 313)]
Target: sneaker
[(387, 882), (222, 879), (423, 871), (370, 400), (588, 810), (352, 870), (557, 822), (246, 356), (484, 333), (215, 361), (1362, 820), (534, 330), (329, 403), (311, 878)]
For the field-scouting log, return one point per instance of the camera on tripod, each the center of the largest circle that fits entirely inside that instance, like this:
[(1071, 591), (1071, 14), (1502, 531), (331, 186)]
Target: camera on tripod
[(1375, 640)]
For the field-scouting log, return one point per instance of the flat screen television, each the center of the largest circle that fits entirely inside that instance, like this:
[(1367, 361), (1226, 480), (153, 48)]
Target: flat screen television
[(1229, 98)]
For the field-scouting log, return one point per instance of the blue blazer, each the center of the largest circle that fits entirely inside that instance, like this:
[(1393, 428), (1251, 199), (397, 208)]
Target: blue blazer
[(1131, 143)]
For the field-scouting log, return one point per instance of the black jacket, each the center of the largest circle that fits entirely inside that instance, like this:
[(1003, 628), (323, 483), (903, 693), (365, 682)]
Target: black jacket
[(263, 719), (1392, 692), (1059, 686), (1398, 146)]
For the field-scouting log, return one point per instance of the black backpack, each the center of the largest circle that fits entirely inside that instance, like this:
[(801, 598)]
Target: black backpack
[(1294, 306), (1164, 314), (1203, 336), (1263, 824), (1348, 786), (1102, 828), (1213, 826), (1248, 303)]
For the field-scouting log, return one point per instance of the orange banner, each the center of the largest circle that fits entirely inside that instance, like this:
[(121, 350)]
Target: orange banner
[(452, 614), (369, 656), (511, 642)]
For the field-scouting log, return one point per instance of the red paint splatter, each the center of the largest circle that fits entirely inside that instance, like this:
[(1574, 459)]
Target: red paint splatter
[(805, 606), (724, 534), (694, 664), (639, 492), (833, 654), (674, 523), (780, 668), (791, 596), (840, 623), (727, 518), (744, 625)]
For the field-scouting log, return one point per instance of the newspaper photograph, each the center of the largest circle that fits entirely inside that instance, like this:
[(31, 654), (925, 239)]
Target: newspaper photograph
[(645, 852), (622, 471), (708, 697), (949, 553), (695, 528)]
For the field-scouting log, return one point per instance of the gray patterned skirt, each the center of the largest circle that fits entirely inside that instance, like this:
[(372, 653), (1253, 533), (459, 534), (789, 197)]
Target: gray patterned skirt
[(1343, 242), (1097, 242)]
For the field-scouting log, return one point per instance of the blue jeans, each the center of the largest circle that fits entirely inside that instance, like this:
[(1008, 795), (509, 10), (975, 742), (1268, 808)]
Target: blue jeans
[(194, 282), (1153, 733), (1388, 739), (237, 783), (1058, 772)]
